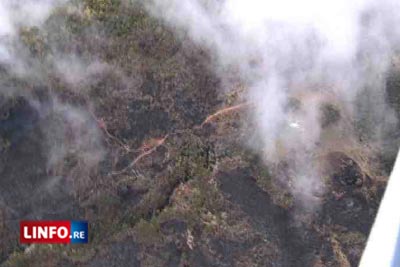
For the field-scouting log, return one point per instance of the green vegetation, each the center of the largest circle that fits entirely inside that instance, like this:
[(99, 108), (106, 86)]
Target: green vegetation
[(142, 83)]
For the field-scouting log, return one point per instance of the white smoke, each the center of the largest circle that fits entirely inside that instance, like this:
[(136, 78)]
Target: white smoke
[(315, 51), (76, 72), (69, 130), (14, 15)]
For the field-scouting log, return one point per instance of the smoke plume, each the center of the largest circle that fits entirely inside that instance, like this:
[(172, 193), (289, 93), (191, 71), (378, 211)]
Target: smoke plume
[(295, 57), (58, 130)]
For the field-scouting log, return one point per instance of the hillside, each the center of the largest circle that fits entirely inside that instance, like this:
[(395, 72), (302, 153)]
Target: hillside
[(121, 121)]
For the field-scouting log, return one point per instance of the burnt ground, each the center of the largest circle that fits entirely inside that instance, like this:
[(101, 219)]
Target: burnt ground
[(200, 198), (297, 245)]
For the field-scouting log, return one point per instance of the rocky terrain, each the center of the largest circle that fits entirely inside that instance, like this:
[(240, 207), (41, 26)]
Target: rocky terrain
[(125, 124)]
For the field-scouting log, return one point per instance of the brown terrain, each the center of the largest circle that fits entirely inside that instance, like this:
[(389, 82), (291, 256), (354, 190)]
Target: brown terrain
[(149, 149)]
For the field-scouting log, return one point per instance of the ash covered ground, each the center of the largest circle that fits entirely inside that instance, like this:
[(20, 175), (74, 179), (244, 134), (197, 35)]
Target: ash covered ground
[(118, 120)]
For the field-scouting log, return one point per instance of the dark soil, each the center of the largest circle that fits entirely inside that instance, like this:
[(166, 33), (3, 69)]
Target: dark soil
[(198, 199)]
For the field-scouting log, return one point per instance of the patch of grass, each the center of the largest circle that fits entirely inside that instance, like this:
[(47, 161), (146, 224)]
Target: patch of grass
[(196, 159), (34, 41), (4, 144), (101, 9), (148, 232), (37, 256), (105, 220), (340, 257), (350, 239), (279, 194)]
